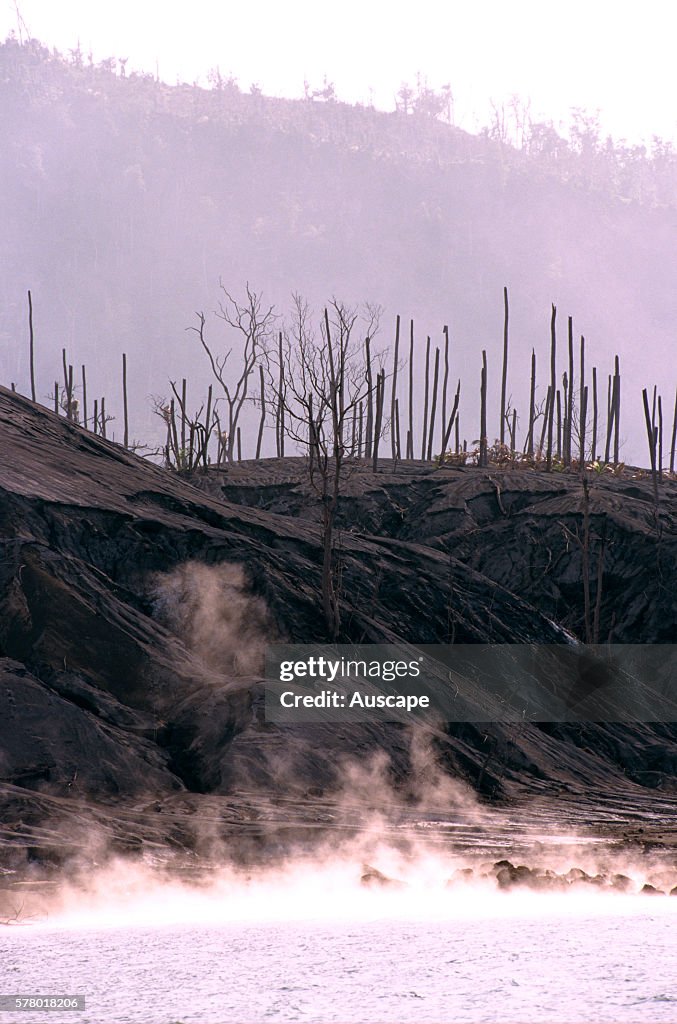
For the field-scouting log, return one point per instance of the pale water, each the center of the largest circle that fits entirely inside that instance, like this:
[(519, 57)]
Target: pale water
[(468, 957)]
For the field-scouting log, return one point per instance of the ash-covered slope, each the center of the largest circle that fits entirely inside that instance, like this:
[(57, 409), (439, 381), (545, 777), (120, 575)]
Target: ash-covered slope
[(519, 528), (134, 606)]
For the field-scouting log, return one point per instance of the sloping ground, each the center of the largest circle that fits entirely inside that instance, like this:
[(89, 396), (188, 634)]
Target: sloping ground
[(134, 608), (519, 528)]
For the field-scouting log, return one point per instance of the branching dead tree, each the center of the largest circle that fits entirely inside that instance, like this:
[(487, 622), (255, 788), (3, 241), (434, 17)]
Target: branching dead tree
[(255, 324), (187, 446), (326, 384)]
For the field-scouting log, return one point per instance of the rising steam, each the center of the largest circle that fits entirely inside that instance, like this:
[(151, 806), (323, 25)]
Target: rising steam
[(212, 610)]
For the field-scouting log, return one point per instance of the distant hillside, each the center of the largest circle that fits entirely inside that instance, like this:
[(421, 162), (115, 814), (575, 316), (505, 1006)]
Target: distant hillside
[(124, 200)]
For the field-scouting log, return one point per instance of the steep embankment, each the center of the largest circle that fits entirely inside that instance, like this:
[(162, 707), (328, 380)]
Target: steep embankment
[(134, 606)]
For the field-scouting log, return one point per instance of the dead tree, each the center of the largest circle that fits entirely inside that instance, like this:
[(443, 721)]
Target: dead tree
[(651, 436), (70, 402), (674, 437), (279, 410), (595, 414), (124, 400), (31, 345), (504, 372), (327, 378), (483, 459), (433, 408), (452, 419), (583, 405), (426, 399), (445, 382), (84, 396), (254, 324), (378, 423), (532, 405), (410, 432), (262, 422), (393, 396), (569, 398), (617, 410), (553, 369), (187, 446), (369, 426), (660, 440)]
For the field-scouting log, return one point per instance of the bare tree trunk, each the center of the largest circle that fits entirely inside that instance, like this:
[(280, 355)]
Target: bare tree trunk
[(56, 397), (445, 383), (546, 419), (220, 446), (452, 418), (393, 397), (178, 457), (124, 400), (660, 440), (582, 404), (434, 404), (31, 345), (426, 396), (559, 424), (208, 428), (380, 390), (398, 453), (583, 416), (532, 405), (617, 411), (570, 397), (353, 438), (96, 418), (504, 372), (410, 433), (609, 419), (674, 437), (553, 386), (369, 431), (483, 457), (103, 416), (66, 387), (594, 414), (84, 395), (184, 397), (263, 413), (360, 435), (652, 442), (280, 404)]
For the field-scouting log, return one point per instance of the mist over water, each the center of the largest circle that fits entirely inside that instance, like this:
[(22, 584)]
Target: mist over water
[(307, 941)]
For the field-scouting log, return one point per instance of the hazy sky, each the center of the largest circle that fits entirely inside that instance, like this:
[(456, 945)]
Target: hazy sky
[(582, 53)]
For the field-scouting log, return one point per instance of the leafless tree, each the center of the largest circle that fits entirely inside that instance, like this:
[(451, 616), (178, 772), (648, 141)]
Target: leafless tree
[(326, 382), (255, 324), (187, 442)]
